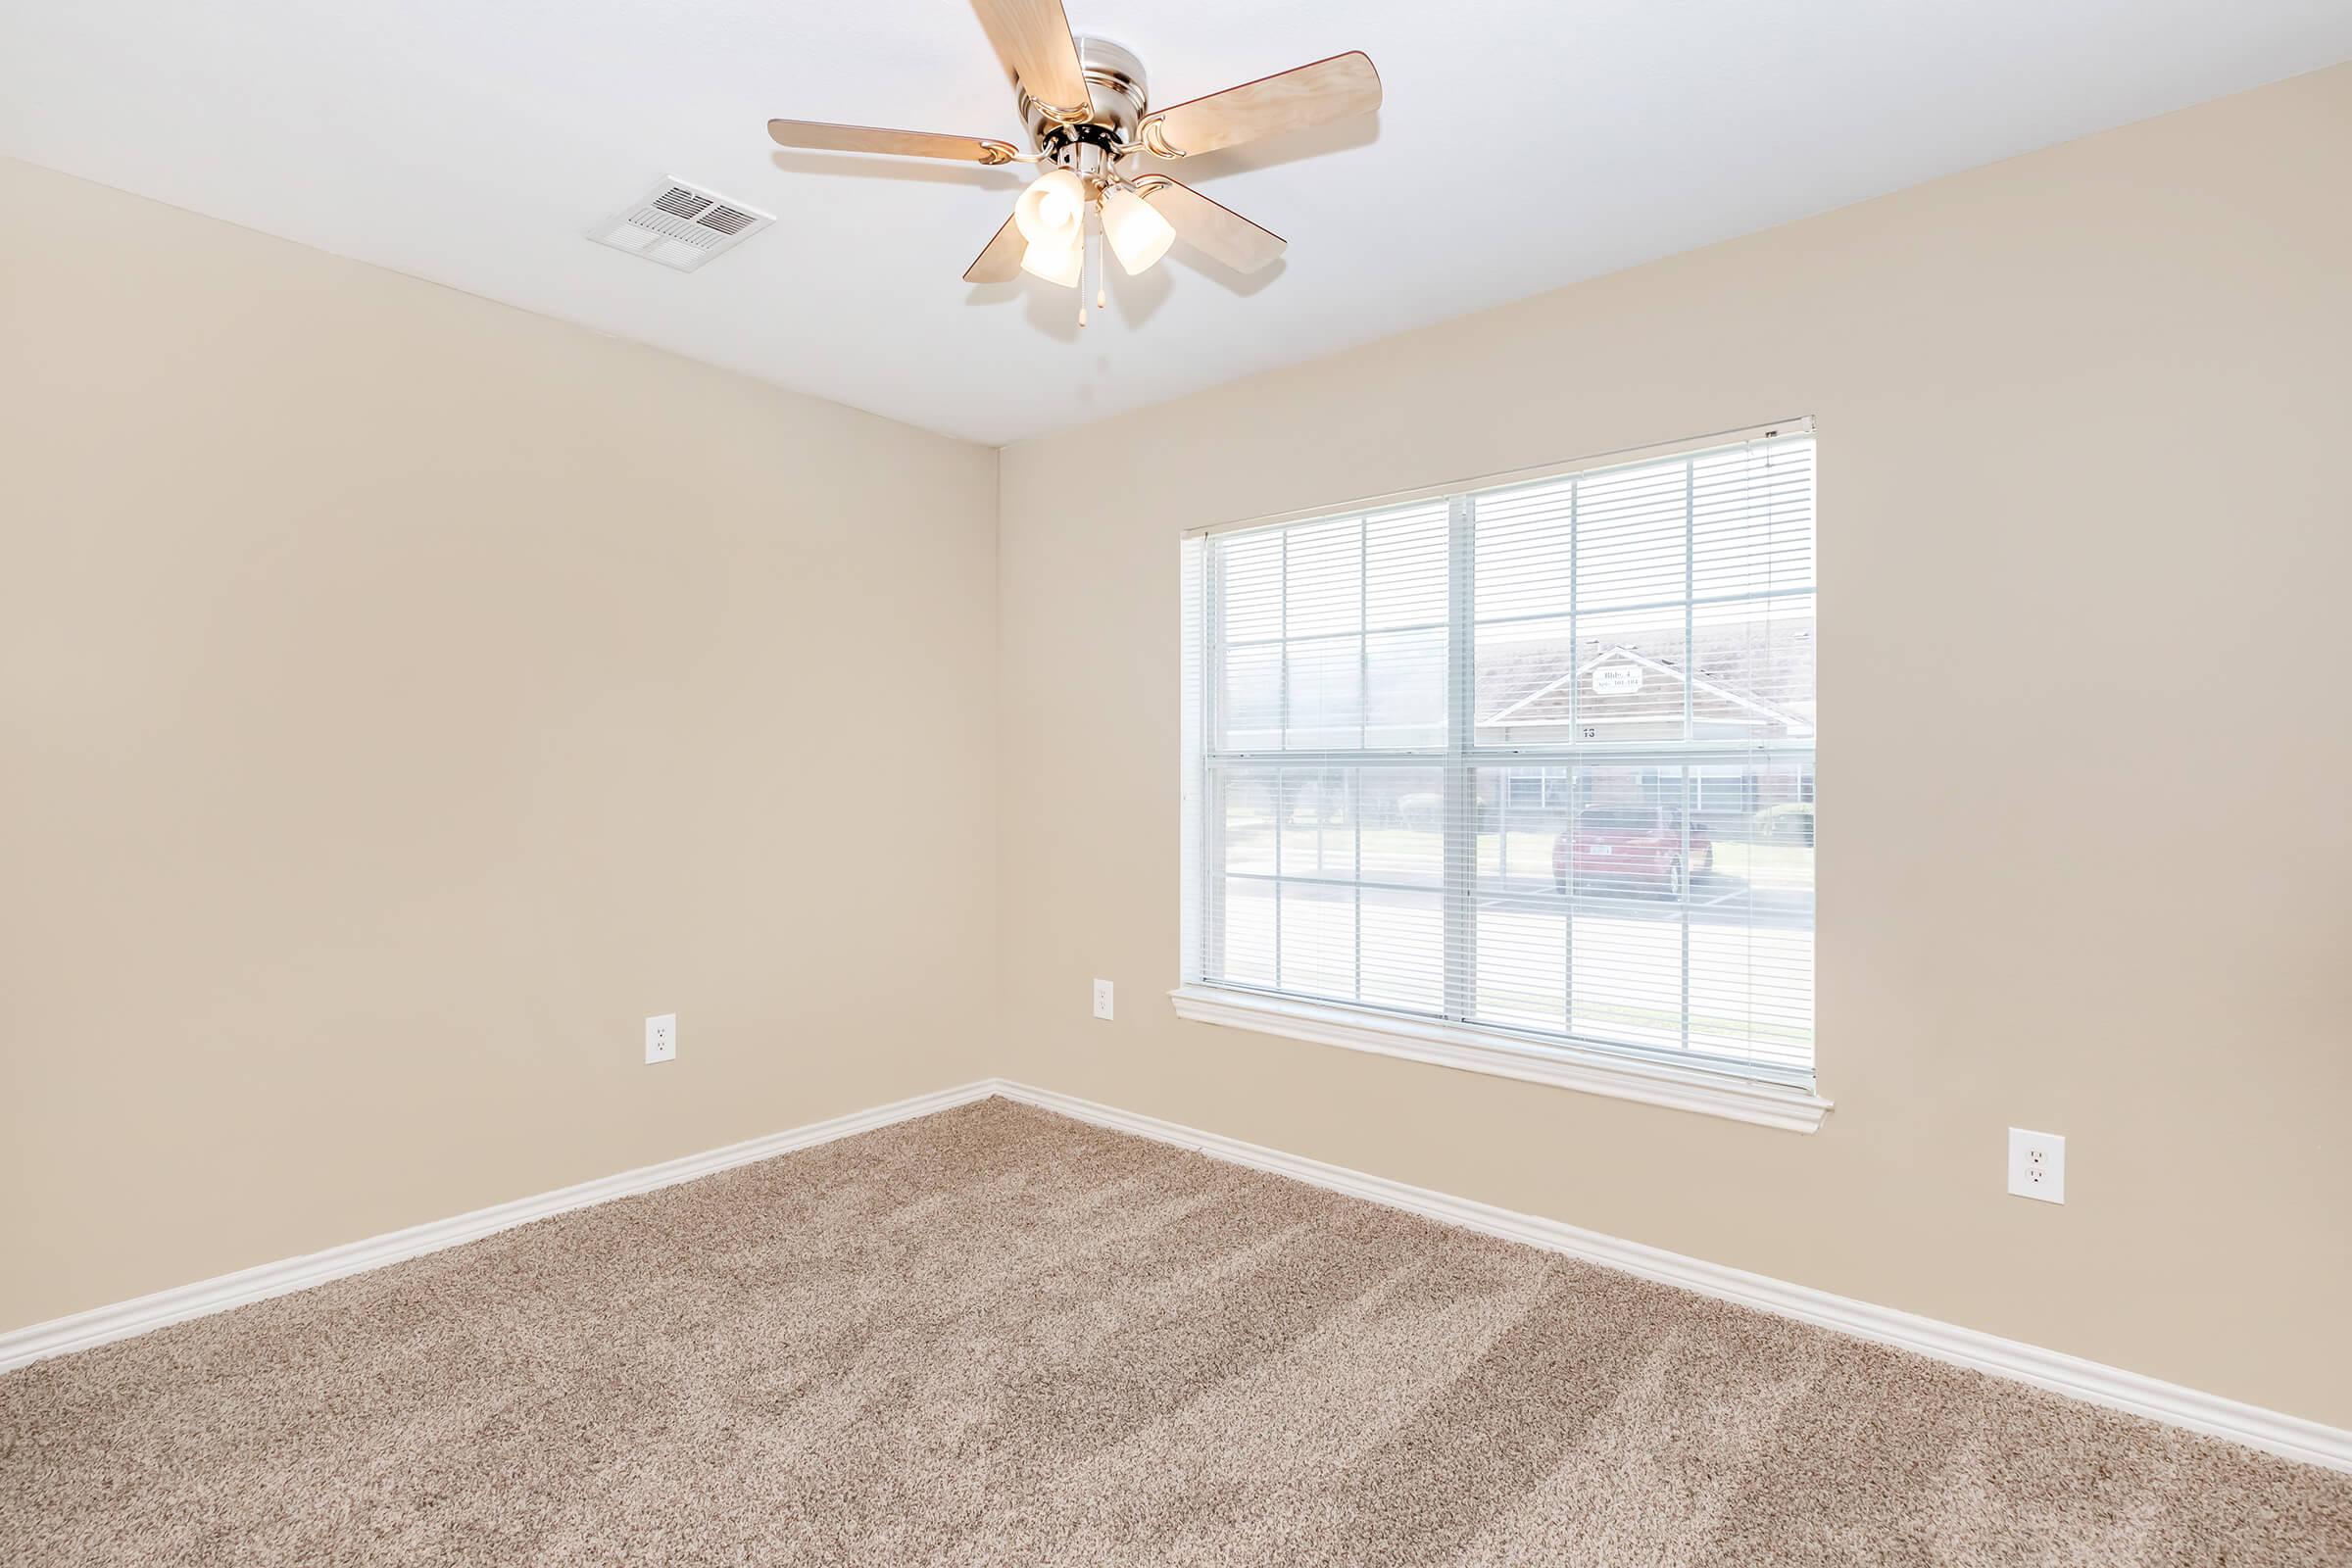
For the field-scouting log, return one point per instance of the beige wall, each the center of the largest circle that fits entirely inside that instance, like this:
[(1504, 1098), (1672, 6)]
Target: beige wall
[(402, 695), (2085, 860)]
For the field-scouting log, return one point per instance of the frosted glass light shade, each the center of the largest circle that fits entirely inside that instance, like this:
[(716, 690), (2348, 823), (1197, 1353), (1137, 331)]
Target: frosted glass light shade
[(1052, 208), (1138, 235), (1054, 261)]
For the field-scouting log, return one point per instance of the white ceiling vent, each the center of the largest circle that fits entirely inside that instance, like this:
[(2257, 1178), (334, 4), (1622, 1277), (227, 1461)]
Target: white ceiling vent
[(680, 225)]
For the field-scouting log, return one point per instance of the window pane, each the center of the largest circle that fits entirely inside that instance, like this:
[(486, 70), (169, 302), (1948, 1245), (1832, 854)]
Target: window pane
[(1325, 683), (1404, 826), (1523, 963), (1250, 586), (1295, 668), (1751, 934), (1626, 983), (1405, 563), (1526, 683), (1331, 882), (1249, 702), (1404, 700), (1242, 819), (1755, 669), (1630, 536), (1318, 941), (1522, 555), (1323, 578), (1752, 520), (1319, 833), (1404, 949), (1245, 934)]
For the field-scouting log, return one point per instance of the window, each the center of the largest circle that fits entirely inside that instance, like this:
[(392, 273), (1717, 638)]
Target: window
[(1519, 778)]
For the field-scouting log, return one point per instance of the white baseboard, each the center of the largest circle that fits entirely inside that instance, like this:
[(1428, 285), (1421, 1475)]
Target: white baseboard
[(82, 1330), (2290, 1437)]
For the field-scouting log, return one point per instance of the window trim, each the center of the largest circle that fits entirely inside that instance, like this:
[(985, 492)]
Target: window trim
[(1483, 1048), (1614, 1072)]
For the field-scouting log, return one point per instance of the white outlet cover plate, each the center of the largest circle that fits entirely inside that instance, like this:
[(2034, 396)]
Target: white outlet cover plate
[(1101, 998), (662, 1038), (2038, 1166)]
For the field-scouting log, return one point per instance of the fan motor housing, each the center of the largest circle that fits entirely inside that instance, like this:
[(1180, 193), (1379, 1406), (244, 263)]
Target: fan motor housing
[(1115, 78)]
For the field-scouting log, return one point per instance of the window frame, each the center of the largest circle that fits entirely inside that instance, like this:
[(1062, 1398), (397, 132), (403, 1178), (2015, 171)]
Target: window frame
[(1765, 1096)]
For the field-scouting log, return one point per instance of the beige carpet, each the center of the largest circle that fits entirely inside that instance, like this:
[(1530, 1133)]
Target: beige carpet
[(996, 1335)]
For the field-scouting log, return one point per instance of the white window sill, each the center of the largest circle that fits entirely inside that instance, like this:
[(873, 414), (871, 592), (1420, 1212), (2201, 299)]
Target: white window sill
[(1453, 1045)]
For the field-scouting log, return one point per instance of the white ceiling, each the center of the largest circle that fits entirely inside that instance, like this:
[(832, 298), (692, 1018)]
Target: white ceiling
[(1524, 144)]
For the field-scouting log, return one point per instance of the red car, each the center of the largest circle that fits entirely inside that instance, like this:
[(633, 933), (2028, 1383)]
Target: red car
[(1630, 848)]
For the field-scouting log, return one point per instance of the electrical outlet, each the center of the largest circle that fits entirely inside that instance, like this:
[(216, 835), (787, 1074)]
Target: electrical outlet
[(662, 1038), (2038, 1166), (1101, 998)]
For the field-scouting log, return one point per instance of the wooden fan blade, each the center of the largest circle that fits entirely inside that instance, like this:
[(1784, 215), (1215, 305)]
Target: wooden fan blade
[(1033, 39), (1311, 95), (1214, 227), (1000, 261), (898, 143)]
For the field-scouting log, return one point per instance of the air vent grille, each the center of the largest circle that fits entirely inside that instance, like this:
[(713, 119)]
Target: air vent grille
[(680, 227)]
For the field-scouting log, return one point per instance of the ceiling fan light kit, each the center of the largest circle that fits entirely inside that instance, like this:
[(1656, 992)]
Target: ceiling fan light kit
[(1138, 236), (1090, 125), (1053, 261)]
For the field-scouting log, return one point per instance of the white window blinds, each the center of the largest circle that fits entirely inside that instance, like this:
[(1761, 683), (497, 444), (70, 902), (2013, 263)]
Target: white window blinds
[(1536, 758)]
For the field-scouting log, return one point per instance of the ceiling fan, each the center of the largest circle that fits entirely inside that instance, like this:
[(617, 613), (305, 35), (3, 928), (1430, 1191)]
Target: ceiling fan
[(1093, 129)]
